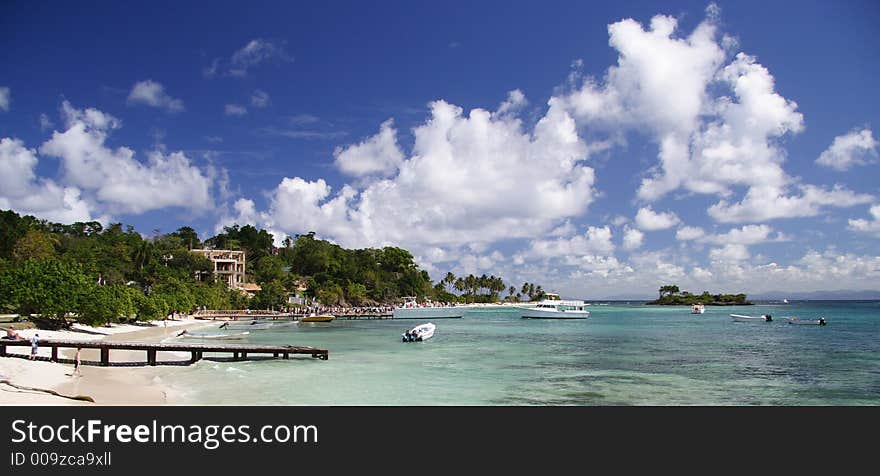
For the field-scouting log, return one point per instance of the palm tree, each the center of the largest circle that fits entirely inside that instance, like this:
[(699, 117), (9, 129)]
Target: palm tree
[(459, 285), (449, 280), (510, 292)]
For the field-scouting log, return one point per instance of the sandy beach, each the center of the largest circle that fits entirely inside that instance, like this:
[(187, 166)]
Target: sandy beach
[(115, 385)]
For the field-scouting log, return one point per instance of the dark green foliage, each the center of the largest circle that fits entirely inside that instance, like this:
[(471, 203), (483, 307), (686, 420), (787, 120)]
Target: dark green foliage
[(103, 275), (104, 304), (354, 277), (255, 243), (49, 287), (671, 295), (272, 296)]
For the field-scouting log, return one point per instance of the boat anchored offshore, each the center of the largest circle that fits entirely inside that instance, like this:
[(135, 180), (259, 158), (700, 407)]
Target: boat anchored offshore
[(419, 333), (251, 326), (807, 322), (698, 309), (318, 318), (198, 335), (556, 309), (742, 318), (411, 309)]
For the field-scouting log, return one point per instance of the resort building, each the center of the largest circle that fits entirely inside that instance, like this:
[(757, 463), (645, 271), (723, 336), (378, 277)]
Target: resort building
[(298, 296), (229, 265), (249, 289)]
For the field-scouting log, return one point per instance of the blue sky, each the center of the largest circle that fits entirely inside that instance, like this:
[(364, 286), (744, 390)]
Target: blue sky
[(597, 149)]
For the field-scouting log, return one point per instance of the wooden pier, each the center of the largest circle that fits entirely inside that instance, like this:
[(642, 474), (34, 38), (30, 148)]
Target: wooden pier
[(238, 351), (265, 316)]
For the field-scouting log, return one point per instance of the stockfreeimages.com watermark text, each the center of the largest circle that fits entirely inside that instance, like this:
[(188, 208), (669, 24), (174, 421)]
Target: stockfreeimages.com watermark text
[(209, 436)]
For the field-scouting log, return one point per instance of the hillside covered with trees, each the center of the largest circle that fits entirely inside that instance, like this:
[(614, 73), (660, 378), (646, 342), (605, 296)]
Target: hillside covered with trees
[(102, 275)]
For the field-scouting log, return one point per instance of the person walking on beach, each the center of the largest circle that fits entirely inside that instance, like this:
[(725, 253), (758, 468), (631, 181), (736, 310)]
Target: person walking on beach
[(35, 342), (76, 362)]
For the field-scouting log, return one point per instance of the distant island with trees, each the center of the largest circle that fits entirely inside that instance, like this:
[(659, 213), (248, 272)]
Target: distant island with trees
[(99, 274), (671, 295)]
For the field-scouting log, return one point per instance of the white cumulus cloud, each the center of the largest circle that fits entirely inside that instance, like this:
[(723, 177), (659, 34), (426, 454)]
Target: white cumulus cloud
[(717, 121), (113, 178), (476, 177), (858, 147), (153, 94), (649, 220), (871, 226), (23, 191), (379, 154), (632, 239)]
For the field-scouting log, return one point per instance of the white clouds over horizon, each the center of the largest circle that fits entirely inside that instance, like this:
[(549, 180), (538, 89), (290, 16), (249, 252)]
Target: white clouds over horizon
[(95, 180), (717, 121), (568, 189)]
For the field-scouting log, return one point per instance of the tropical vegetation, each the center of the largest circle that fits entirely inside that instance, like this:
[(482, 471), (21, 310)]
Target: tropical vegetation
[(97, 274), (671, 295)]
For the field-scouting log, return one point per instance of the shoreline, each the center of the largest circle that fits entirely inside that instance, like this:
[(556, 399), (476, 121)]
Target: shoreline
[(136, 385)]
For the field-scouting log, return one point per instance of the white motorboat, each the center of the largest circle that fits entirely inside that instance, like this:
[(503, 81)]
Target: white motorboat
[(251, 326), (412, 309), (199, 335), (808, 322), (556, 309), (698, 309), (742, 318), (419, 333)]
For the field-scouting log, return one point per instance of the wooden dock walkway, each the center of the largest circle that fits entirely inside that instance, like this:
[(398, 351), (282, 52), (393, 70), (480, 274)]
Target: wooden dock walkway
[(244, 316), (238, 351)]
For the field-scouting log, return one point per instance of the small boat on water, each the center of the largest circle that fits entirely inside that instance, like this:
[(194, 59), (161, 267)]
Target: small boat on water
[(808, 322), (742, 318), (412, 309), (251, 326), (200, 335), (556, 309), (785, 301), (318, 318), (419, 333), (698, 308)]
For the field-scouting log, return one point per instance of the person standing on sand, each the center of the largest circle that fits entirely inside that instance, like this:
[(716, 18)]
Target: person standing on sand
[(76, 362), (35, 342)]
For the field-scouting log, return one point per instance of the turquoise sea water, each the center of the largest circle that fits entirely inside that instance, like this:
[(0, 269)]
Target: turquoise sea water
[(624, 354)]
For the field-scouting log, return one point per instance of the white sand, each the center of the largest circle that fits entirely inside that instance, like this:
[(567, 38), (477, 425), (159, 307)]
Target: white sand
[(106, 385)]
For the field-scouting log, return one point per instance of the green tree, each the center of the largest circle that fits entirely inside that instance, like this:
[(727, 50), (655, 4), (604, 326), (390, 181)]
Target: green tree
[(189, 237), (668, 290), (355, 294), (50, 287), (150, 307), (270, 268), (35, 244), (176, 293), (271, 296), (104, 304)]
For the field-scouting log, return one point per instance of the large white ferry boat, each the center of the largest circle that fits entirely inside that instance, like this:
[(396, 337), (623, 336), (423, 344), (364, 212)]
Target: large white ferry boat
[(412, 309), (557, 309)]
